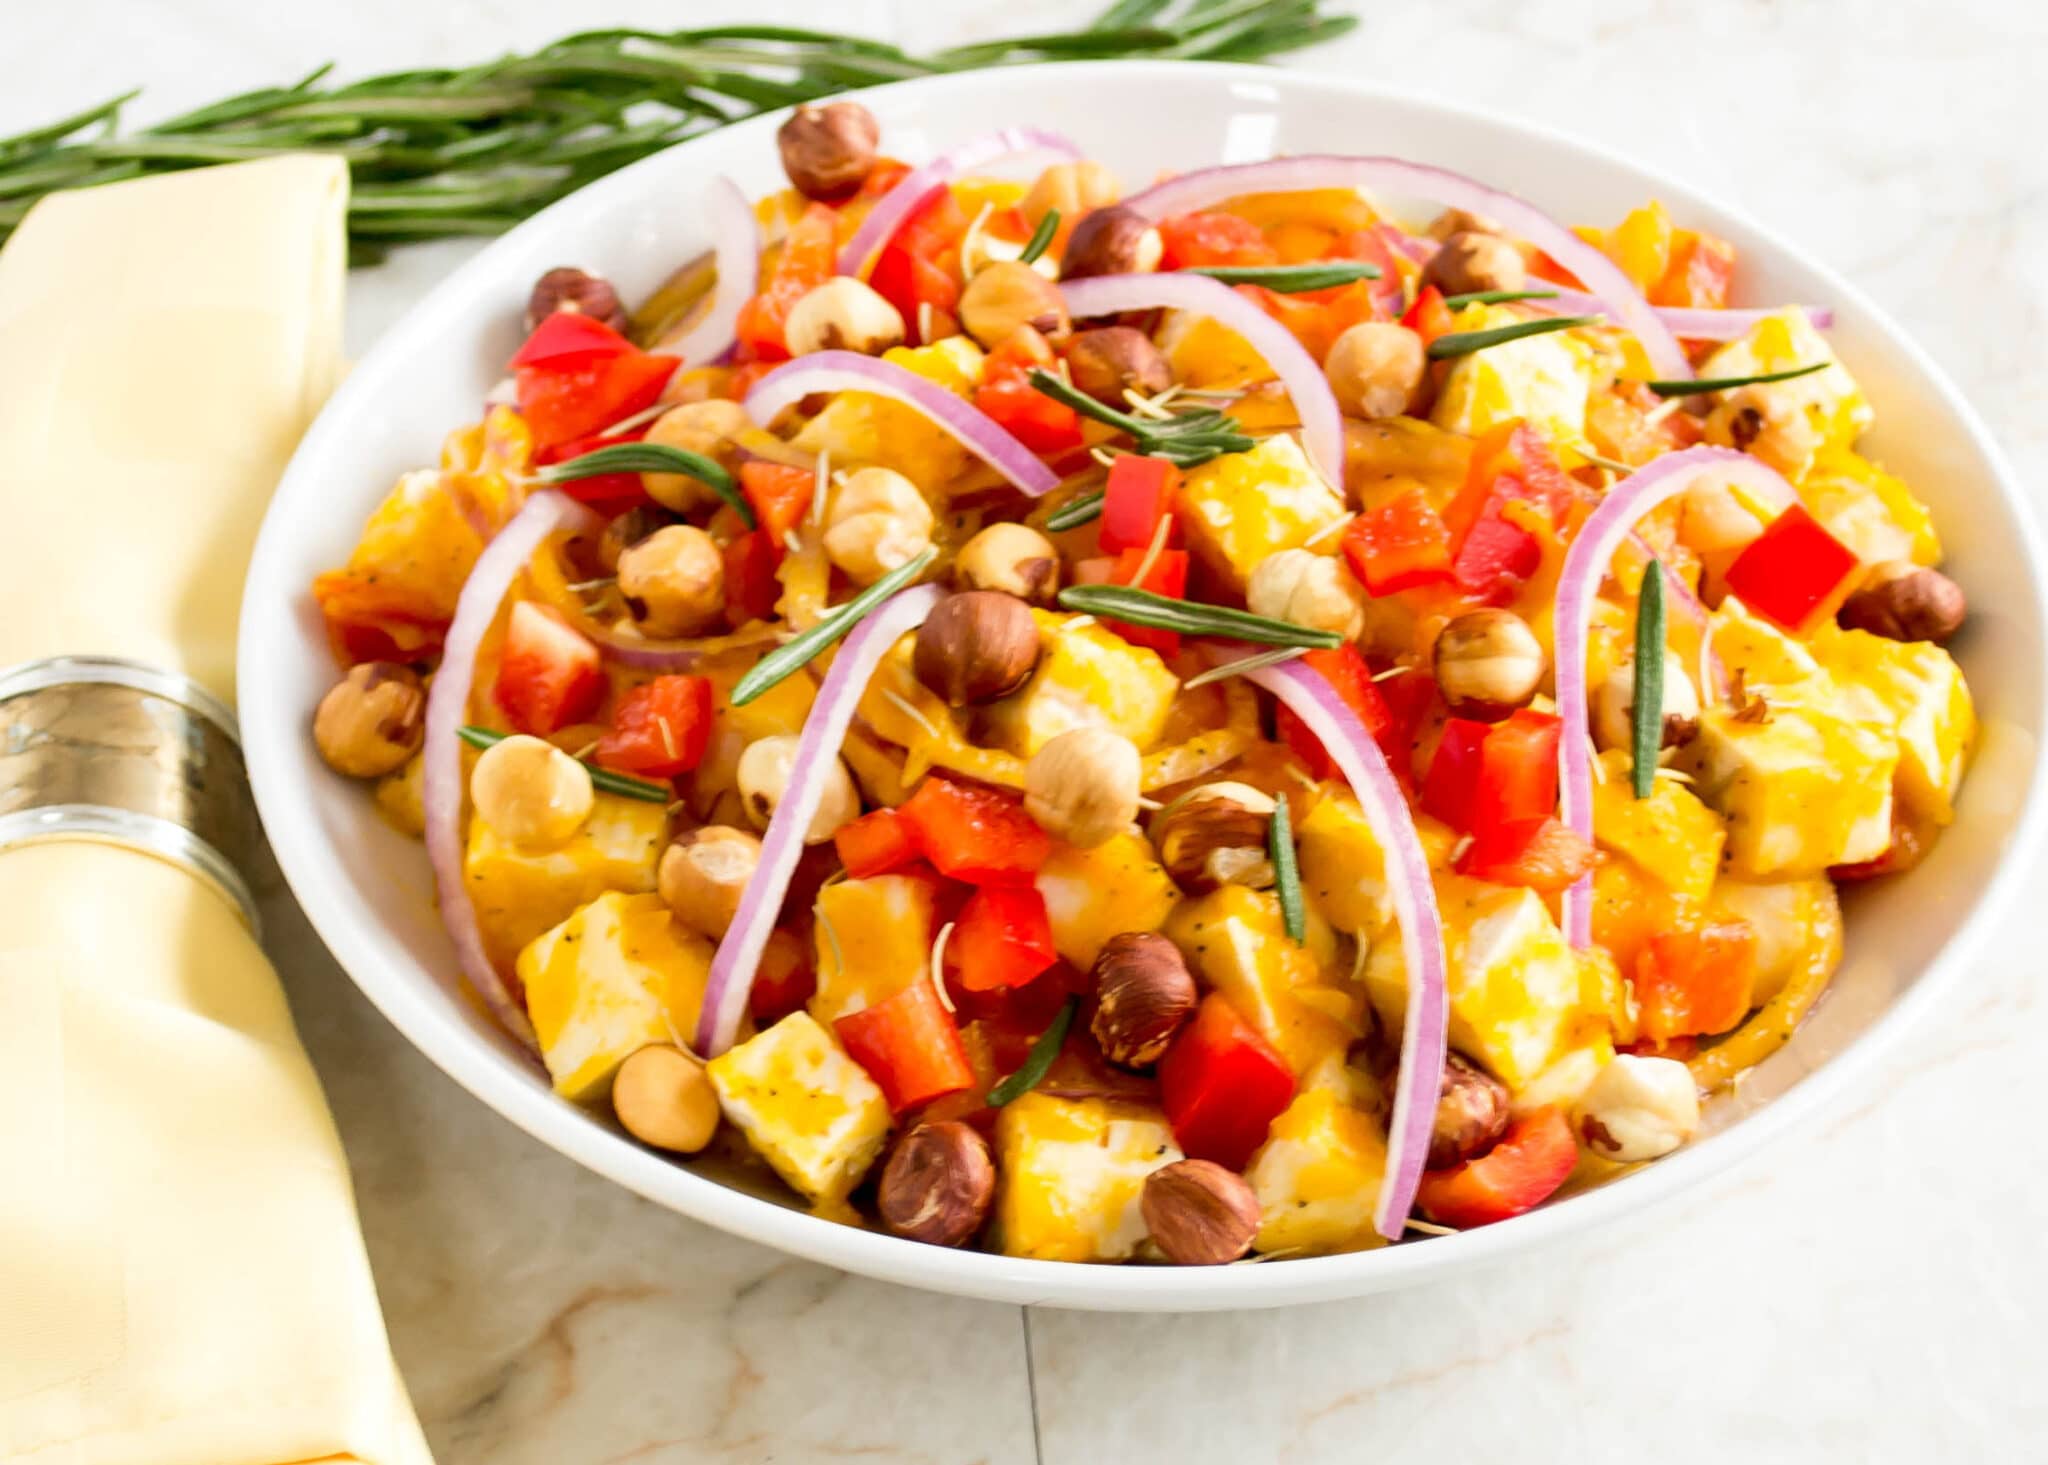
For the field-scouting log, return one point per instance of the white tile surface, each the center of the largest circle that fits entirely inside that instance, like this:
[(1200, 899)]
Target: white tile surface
[(1867, 1290)]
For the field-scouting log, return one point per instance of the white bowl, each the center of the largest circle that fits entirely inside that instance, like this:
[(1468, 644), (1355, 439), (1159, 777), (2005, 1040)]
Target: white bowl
[(367, 889)]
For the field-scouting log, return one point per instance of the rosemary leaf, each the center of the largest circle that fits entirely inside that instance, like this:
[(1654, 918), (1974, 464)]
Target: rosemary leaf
[(1038, 1061), (623, 784), (1081, 509), (1464, 343), (1649, 684), (1726, 383), (1242, 665), (1184, 439), (1189, 617), (1041, 237), (1292, 279), (791, 656), (1496, 297), (1286, 873), (653, 458)]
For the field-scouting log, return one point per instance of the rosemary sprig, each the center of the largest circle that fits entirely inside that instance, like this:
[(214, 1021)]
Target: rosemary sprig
[(1038, 1061), (787, 658), (623, 784), (653, 458), (1286, 873), (1648, 726), (1464, 343), (1242, 665), (1040, 237), (1496, 297), (1292, 279), (1184, 439), (1081, 509), (1190, 617), (1726, 383)]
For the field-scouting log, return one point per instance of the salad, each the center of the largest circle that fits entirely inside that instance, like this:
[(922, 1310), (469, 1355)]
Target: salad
[(1290, 710)]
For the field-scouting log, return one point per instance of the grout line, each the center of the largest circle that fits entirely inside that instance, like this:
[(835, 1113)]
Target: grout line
[(1031, 1381)]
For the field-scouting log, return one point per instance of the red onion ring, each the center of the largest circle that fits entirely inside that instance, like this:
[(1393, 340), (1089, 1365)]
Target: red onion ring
[(447, 707), (849, 371), (1322, 421), (736, 245), (1691, 324), (1585, 566), (893, 207), (739, 954), (1424, 1028), (1617, 295)]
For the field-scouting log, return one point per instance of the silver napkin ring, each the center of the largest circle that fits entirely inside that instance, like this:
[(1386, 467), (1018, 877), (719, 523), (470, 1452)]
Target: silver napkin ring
[(98, 747)]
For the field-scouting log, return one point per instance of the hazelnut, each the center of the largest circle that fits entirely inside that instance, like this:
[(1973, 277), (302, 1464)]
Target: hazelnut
[(664, 1098), (1111, 360), (625, 530), (580, 293), (938, 1184), (704, 873), (1307, 589), (763, 777), (828, 151), (1082, 786), (1467, 262), (1112, 241), (976, 646), (1007, 296), (1143, 993), (710, 429), (1199, 1214), (1215, 835), (1471, 1113), (1903, 601), (1013, 558), (372, 720), (1488, 663), (1375, 369), (843, 314), (1072, 188), (1614, 703), (878, 522), (1462, 221), (535, 796), (674, 581), (1638, 1108)]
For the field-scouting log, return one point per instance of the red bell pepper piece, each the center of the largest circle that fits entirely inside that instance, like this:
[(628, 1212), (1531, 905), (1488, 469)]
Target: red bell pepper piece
[(577, 396), (919, 265), (1696, 983), (779, 494), (1168, 576), (659, 729), (548, 674), (567, 336), (875, 844), (1399, 545), (974, 833), (1222, 1085), (1486, 775), (910, 1045), (1453, 775), (1791, 570), (809, 258), (369, 619), (1345, 670), (751, 588), (784, 981), (1702, 265), (608, 493), (1213, 239), (1526, 1165), (1542, 854), (1003, 938), (1493, 555), (1046, 427), (1138, 495), (1429, 317), (1372, 245)]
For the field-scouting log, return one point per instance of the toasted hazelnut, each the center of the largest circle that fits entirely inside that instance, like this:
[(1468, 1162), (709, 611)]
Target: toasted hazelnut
[(1072, 188), (1462, 221), (1638, 1108), (976, 646), (1199, 1214), (623, 531), (1471, 1113), (1112, 241), (828, 151), (878, 522), (531, 793), (938, 1184), (1082, 786), (710, 429), (1013, 558), (674, 581), (1467, 262), (1307, 589), (1215, 835), (372, 720), (664, 1098), (1375, 369), (577, 291), (843, 314), (1614, 702), (1488, 663), (763, 778), (1143, 993), (1903, 601), (704, 873), (1006, 296), (1112, 360)]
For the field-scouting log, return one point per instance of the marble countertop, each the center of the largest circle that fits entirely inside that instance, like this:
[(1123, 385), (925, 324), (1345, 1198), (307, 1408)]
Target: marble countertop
[(1864, 1290)]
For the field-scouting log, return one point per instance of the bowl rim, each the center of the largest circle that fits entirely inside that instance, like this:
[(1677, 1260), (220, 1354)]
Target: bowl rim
[(390, 986)]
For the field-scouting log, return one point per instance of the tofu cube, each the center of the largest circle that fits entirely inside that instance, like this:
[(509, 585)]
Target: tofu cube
[(519, 893), (1543, 380), (1802, 790), (1208, 355), (860, 428), (1093, 894), (1671, 833), (874, 939), (1087, 676), (807, 1109), (1236, 941), (1242, 508), (1914, 691), (1343, 873), (1868, 509), (1318, 1177), (1069, 1175)]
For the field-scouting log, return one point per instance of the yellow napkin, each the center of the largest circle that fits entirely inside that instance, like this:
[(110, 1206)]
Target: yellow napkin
[(182, 1280)]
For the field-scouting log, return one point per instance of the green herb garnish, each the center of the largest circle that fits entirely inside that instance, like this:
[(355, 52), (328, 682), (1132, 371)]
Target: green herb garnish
[(1038, 1060), (1292, 279), (1041, 237), (1726, 383), (1184, 439), (791, 655), (1081, 509), (1496, 297), (653, 458), (623, 784), (1286, 873), (1649, 688), (1242, 665), (1464, 343), (1189, 617)]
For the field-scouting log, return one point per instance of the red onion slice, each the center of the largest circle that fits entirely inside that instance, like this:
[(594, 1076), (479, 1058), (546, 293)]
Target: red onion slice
[(1423, 1031), (1585, 566), (1617, 295), (1691, 324), (893, 207), (736, 245), (447, 708), (1322, 421), (739, 954), (849, 371)]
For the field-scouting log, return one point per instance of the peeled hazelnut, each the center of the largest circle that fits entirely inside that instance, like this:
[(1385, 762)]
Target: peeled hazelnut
[(710, 429), (535, 796), (828, 151), (843, 314), (763, 778), (1614, 703), (1471, 1113), (1467, 262), (1111, 360), (674, 581), (664, 1098), (976, 646), (580, 293), (1307, 589), (1072, 188), (1143, 993), (1013, 558), (1112, 241), (704, 873), (1461, 221), (1375, 369), (1082, 786), (372, 720), (625, 530), (1199, 1214), (1215, 835), (1488, 663), (1638, 1108), (1903, 601), (878, 522), (1007, 296), (938, 1184)]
